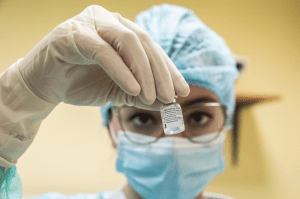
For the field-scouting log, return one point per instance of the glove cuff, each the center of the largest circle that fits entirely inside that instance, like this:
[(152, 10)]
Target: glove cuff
[(21, 113)]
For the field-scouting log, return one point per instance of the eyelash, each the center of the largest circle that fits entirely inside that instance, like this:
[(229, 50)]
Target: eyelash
[(201, 115), (139, 115), (154, 119)]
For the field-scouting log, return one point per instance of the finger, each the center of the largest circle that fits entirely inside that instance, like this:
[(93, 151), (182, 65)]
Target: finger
[(137, 102), (113, 65), (120, 73), (129, 48), (119, 98), (180, 85), (95, 48), (163, 80), (155, 106)]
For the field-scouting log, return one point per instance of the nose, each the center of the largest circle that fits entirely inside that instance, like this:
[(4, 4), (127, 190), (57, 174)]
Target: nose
[(182, 135)]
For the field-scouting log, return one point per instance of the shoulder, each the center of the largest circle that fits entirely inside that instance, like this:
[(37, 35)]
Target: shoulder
[(216, 196), (54, 195)]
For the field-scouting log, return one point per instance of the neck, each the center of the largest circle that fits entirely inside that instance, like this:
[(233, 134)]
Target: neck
[(129, 192)]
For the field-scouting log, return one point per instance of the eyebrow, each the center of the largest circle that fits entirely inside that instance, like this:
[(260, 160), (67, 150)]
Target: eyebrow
[(198, 100), (190, 102)]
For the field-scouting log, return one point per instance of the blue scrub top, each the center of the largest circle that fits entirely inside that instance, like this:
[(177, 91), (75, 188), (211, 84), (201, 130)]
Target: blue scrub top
[(11, 188), (102, 195)]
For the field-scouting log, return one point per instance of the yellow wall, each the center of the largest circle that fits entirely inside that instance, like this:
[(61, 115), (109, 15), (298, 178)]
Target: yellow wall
[(72, 153)]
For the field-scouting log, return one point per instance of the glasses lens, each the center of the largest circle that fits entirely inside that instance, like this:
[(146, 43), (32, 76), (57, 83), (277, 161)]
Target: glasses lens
[(205, 122), (199, 120)]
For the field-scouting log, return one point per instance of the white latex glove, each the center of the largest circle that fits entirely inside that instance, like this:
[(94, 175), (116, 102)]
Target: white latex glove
[(98, 57)]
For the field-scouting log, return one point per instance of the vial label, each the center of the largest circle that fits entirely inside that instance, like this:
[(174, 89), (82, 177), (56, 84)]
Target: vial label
[(172, 114), (172, 119)]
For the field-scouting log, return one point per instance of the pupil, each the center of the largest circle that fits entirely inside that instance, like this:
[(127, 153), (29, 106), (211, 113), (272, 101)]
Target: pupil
[(197, 117), (143, 118)]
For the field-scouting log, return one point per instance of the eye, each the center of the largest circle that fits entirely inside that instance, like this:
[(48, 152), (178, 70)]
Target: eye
[(142, 119), (200, 118)]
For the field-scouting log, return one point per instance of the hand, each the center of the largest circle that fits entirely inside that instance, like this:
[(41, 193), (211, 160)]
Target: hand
[(98, 57)]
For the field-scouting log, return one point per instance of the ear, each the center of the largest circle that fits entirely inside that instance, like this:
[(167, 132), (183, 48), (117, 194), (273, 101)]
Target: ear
[(241, 63)]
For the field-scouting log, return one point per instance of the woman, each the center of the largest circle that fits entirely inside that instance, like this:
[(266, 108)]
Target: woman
[(155, 165), (170, 166)]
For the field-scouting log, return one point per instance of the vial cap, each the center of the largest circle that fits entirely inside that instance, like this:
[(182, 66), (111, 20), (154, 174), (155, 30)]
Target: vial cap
[(174, 100)]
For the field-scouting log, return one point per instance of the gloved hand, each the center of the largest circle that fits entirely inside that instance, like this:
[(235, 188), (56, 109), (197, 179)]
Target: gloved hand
[(98, 57)]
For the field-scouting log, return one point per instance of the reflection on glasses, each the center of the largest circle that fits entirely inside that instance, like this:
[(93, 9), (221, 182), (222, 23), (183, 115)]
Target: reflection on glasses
[(199, 119)]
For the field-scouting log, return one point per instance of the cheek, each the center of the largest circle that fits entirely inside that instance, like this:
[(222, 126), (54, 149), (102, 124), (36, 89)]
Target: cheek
[(116, 127)]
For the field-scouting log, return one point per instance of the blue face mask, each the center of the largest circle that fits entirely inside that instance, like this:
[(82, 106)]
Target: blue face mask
[(171, 167)]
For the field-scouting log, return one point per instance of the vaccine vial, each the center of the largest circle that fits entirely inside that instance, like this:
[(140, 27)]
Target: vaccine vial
[(172, 119)]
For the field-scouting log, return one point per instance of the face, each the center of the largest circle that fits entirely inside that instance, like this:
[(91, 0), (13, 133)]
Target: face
[(197, 95)]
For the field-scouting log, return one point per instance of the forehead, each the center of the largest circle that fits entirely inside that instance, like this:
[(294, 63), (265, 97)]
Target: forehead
[(197, 95), (197, 92)]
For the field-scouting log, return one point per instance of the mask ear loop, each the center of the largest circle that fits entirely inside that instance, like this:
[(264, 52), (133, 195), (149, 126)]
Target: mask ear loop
[(112, 133)]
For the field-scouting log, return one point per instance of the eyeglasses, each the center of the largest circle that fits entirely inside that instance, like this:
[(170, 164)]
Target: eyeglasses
[(199, 119)]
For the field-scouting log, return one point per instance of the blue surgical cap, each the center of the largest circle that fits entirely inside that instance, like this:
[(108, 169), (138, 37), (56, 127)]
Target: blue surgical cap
[(201, 55)]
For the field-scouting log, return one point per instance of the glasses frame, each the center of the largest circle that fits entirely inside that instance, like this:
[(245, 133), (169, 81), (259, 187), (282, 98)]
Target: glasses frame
[(116, 109)]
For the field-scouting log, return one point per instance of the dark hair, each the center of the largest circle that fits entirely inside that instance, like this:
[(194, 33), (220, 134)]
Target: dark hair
[(109, 116)]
